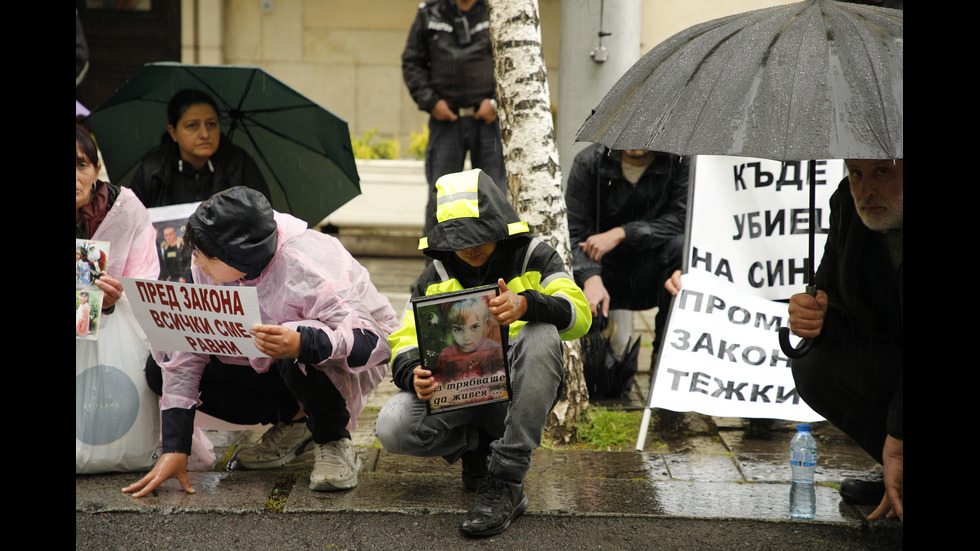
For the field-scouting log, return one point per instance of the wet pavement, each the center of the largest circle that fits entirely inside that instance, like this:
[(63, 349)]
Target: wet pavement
[(692, 467)]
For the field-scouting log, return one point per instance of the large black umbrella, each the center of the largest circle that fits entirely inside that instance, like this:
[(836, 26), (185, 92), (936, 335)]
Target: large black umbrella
[(812, 80), (303, 150)]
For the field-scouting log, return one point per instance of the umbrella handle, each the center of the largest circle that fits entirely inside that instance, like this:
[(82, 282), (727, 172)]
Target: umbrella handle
[(803, 348)]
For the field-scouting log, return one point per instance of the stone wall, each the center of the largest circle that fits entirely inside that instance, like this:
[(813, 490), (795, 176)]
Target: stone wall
[(346, 54)]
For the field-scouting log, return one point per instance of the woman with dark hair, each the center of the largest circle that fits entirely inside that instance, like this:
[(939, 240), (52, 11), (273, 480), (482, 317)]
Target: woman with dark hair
[(193, 161), (105, 212)]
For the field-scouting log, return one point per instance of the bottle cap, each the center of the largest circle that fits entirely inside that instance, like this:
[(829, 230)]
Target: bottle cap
[(803, 427)]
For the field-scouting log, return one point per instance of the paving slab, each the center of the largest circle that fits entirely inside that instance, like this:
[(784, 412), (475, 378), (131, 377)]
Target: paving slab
[(383, 492), (237, 492), (743, 501)]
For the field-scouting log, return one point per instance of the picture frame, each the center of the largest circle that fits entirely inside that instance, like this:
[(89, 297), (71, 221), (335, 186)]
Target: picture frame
[(464, 349)]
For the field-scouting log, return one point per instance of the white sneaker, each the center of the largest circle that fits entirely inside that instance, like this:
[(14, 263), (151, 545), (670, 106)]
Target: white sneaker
[(336, 466), (279, 445)]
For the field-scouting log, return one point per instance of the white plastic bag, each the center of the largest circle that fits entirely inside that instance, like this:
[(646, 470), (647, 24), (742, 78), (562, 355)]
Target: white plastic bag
[(117, 416)]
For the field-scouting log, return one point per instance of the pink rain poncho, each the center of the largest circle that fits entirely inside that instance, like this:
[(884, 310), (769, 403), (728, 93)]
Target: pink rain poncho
[(311, 281), (123, 432), (132, 238)]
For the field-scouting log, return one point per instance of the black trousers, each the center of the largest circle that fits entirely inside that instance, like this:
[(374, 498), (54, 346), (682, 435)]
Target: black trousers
[(636, 282), (238, 394), (852, 385)]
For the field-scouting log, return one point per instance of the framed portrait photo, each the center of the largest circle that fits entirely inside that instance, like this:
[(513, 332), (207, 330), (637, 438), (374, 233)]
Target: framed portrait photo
[(463, 347)]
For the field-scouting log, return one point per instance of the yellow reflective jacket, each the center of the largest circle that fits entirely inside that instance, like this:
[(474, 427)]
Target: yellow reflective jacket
[(471, 211)]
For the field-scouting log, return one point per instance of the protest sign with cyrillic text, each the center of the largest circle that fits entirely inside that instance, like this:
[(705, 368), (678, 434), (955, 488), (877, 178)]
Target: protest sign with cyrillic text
[(206, 319)]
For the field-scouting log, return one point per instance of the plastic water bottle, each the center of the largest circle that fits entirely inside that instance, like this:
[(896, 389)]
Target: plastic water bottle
[(803, 460)]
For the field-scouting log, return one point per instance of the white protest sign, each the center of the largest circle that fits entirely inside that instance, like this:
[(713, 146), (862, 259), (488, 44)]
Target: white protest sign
[(750, 220), (206, 319), (720, 355)]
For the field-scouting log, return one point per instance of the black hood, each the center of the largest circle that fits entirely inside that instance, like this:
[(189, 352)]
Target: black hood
[(238, 227), (470, 211)]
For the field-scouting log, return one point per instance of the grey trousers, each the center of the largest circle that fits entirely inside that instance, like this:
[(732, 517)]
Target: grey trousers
[(404, 425)]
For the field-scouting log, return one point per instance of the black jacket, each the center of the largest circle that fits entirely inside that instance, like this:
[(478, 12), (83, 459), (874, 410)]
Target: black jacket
[(436, 66), (599, 198), (163, 179), (866, 295)]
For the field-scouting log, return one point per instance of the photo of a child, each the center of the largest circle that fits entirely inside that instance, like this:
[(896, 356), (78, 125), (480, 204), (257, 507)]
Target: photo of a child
[(82, 315), (463, 347), (473, 353), (88, 301), (91, 258)]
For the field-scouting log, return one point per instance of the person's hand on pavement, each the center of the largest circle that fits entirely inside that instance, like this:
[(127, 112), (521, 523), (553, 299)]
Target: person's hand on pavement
[(806, 314), (442, 112), (596, 294), (423, 381), (596, 246), (892, 458), (673, 285), (170, 465), (112, 290), (276, 341), (508, 306)]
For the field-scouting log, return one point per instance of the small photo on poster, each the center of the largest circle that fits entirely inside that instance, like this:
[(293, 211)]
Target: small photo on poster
[(88, 312), (175, 257), (463, 347), (91, 258)]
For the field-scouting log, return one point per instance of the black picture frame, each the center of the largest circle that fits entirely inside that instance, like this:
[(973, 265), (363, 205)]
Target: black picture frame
[(469, 362)]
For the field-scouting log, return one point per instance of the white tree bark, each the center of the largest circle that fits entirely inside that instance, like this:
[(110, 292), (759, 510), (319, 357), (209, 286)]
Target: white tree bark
[(531, 158)]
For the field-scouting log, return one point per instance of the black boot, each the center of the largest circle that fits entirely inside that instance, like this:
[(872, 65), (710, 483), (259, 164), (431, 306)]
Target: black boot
[(475, 464), (497, 505), (868, 490)]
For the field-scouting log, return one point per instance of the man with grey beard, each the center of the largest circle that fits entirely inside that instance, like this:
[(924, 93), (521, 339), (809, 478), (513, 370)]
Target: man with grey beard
[(854, 370)]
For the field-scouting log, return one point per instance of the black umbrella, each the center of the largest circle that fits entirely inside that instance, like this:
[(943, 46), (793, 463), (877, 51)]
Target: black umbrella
[(812, 80), (303, 150)]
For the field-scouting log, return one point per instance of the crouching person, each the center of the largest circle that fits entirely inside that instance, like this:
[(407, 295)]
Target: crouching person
[(479, 240), (324, 327)]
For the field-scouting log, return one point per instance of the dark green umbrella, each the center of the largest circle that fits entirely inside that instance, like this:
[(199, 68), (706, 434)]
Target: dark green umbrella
[(303, 150)]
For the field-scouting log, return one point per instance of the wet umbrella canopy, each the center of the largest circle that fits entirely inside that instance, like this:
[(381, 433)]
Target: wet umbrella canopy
[(812, 80), (303, 150)]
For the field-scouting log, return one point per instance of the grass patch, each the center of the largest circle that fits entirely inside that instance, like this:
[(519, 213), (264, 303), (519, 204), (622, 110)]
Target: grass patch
[(222, 463), (606, 429), (284, 485)]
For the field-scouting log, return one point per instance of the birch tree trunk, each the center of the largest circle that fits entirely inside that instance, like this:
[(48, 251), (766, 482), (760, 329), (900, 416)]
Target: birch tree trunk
[(531, 157)]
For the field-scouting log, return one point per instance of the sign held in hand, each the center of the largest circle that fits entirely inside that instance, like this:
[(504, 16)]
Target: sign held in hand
[(205, 319)]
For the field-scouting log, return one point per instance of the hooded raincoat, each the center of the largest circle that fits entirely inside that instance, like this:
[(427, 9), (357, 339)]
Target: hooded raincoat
[(117, 216), (472, 212), (306, 281), (127, 227)]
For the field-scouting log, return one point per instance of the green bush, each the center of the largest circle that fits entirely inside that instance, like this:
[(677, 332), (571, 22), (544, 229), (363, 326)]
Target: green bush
[(417, 143), (366, 148)]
